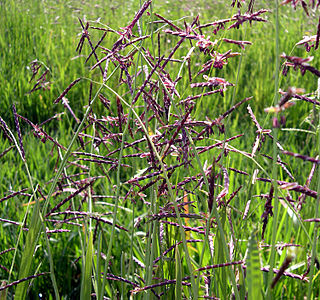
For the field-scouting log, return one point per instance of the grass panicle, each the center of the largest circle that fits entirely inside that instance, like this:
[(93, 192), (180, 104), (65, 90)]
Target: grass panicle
[(154, 178)]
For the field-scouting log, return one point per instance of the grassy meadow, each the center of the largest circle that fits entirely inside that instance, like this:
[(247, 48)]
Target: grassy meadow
[(159, 150)]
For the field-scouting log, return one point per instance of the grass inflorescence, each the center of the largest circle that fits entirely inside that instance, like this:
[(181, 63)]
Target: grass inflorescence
[(176, 159)]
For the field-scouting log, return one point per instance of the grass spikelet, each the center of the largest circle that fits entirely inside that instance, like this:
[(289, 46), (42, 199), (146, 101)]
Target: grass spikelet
[(16, 121), (65, 92), (158, 181), (4, 287)]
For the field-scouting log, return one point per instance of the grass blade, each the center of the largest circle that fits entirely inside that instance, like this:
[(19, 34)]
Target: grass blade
[(178, 274), (27, 256), (86, 275), (254, 276)]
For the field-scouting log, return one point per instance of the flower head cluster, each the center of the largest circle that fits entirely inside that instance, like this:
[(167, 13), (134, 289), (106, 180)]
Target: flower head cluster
[(204, 44)]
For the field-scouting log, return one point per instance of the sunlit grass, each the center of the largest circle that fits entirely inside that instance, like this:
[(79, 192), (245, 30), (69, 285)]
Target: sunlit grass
[(116, 236)]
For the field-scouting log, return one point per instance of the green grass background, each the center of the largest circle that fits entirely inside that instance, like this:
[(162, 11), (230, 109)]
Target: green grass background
[(49, 31)]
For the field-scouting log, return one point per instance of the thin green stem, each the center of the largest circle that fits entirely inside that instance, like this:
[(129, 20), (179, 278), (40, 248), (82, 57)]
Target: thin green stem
[(171, 195), (316, 225), (274, 161)]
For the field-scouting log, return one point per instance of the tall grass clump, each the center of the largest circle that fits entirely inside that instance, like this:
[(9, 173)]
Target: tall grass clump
[(178, 162)]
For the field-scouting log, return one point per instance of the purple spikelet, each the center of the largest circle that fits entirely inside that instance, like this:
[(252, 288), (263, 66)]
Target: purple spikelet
[(16, 121)]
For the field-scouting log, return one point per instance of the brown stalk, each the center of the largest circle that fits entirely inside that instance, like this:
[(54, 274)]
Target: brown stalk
[(238, 171), (317, 220), (219, 23), (179, 127), (69, 198), (165, 215), (282, 269), (297, 188), (276, 271), (65, 103), (13, 222), (232, 263), (65, 92), (241, 44), (22, 280), (13, 195), (318, 36), (304, 98), (219, 119), (86, 35), (127, 33), (303, 157), (205, 149), (267, 211), (172, 53), (182, 34), (100, 161), (16, 121), (302, 197), (98, 63), (250, 7), (146, 81), (199, 229), (6, 151), (240, 19), (225, 190), (127, 146), (173, 246), (5, 130), (254, 119), (167, 282), (168, 22), (56, 116), (120, 113), (211, 185), (301, 63), (133, 180), (96, 46), (233, 194), (135, 41), (7, 250), (40, 133), (232, 109)]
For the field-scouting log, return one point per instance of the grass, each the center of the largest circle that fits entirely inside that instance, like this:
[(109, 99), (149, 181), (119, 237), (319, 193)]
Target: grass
[(128, 192)]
